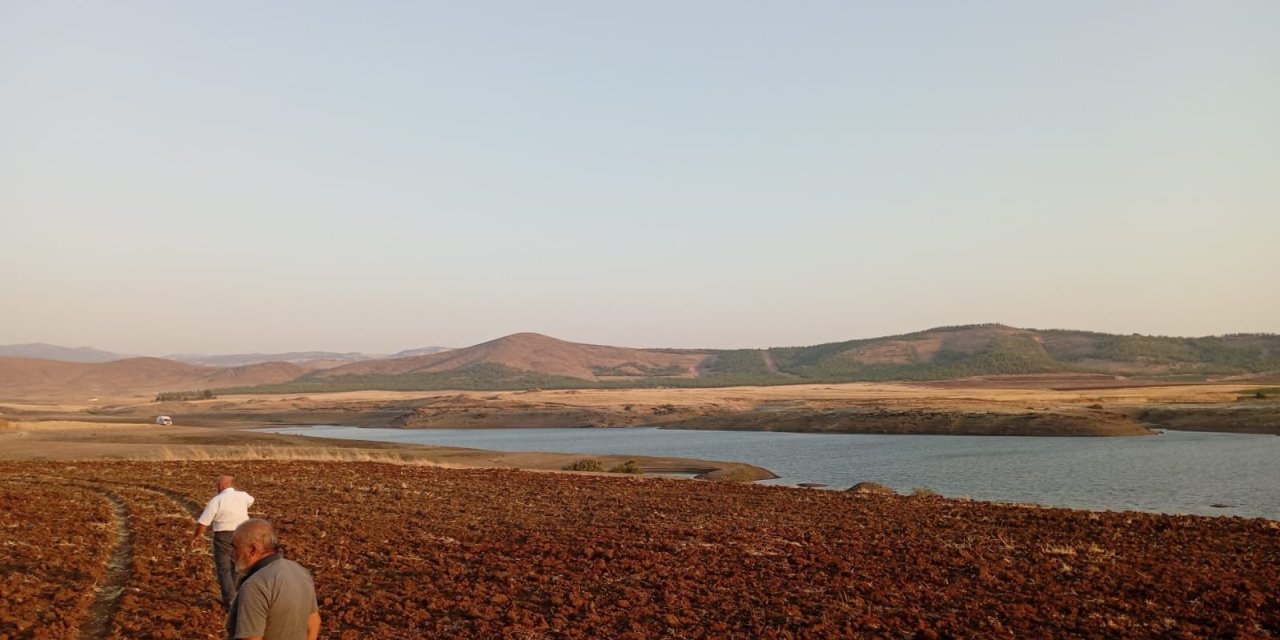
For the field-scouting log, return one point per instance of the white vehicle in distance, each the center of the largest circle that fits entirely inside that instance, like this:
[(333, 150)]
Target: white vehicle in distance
[(164, 421)]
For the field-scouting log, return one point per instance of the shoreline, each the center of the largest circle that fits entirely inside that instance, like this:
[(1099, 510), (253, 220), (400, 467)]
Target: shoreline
[(67, 441), (78, 440), (1002, 469), (879, 408)]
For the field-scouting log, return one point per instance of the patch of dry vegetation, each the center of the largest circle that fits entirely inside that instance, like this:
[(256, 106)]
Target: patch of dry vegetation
[(69, 425), (316, 454), (584, 465), (737, 474)]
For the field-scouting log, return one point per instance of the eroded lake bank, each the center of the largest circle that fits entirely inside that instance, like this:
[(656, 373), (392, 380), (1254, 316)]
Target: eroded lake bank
[(849, 408)]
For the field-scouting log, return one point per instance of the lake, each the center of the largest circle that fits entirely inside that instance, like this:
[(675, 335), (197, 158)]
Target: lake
[(1177, 472)]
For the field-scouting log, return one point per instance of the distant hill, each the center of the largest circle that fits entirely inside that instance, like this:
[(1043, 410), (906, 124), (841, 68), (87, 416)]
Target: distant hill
[(993, 349), (422, 351), (311, 360), (55, 352), (295, 357), (26, 377), (529, 360), (535, 353)]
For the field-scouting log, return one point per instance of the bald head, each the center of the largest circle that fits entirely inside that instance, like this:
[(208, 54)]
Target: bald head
[(253, 540), (225, 482), (256, 532)]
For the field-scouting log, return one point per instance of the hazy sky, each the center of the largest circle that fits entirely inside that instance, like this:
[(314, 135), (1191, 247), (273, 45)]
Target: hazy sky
[(246, 176)]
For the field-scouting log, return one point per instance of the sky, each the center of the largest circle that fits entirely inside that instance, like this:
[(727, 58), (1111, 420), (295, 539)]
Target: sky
[(245, 176)]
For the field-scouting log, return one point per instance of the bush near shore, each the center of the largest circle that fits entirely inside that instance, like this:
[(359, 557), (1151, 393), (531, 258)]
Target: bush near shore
[(179, 396), (584, 465), (630, 466), (402, 551)]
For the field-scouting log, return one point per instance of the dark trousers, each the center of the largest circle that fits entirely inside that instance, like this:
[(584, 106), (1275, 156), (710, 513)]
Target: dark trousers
[(225, 565)]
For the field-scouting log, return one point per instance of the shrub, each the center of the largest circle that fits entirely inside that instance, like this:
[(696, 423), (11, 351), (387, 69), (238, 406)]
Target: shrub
[(923, 492), (1259, 394), (178, 396), (584, 465), (629, 466)]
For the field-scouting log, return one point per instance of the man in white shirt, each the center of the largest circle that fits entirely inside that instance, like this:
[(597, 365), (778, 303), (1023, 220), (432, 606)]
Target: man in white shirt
[(223, 514)]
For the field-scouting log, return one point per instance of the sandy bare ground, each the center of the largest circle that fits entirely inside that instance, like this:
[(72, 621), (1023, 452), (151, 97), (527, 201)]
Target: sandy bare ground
[(77, 440), (980, 397), (119, 427)]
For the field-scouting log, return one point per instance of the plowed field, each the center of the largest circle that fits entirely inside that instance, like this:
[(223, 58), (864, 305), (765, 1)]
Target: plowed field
[(420, 552), (55, 544)]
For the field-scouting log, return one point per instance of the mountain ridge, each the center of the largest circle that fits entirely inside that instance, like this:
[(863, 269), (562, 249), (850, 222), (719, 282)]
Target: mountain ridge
[(21, 377), (531, 352), (531, 360), (527, 360), (45, 351)]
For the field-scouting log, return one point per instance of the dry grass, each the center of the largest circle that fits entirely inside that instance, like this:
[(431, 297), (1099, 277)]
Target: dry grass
[(69, 425), (898, 395), (736, 474), (312, 454), (1092, 551), (1058, 550)]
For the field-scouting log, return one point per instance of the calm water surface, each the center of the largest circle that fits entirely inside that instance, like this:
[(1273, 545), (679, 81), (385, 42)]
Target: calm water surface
[(1177, 472)]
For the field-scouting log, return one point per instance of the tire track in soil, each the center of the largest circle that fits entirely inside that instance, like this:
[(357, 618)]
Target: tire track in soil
[(191, 507), (106, 600), (187, 504)]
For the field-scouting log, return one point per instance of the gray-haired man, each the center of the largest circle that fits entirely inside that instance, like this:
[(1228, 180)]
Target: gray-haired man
[(277, 598)]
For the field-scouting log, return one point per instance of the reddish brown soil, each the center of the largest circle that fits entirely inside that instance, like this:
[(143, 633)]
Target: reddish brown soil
[(55, 541), (167, 594), (409, 552)]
